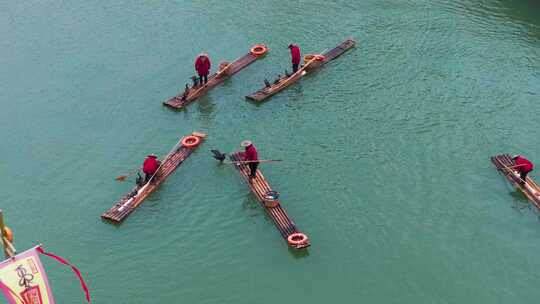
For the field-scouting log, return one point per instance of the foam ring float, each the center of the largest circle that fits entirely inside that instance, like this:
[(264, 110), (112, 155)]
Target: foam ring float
[(190, 141), (297, 239), (259, 50), (8, 233)]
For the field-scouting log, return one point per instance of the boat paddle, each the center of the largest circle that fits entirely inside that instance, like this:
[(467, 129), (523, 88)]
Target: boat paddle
[(122, 178)]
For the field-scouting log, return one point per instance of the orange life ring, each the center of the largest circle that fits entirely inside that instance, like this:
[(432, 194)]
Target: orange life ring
[(8, 233), (297, 239), (259, 50), (191, 141)]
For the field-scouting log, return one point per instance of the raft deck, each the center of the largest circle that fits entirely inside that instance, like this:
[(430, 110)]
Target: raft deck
[(129, 202), (259, 186), (187, 96), (530, 188), (285, 81)]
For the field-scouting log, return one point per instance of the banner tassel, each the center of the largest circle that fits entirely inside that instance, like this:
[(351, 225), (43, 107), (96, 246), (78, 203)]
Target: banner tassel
[(75, 270)]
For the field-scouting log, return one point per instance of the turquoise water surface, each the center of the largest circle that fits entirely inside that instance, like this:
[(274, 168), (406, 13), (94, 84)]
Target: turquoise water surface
[(386, 150)]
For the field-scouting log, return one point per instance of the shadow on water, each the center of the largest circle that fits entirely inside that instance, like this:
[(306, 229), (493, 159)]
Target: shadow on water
[(524, 13), (298, 253), (527, 13), (257, 103), (252, 205), (116, 225), (519, 200), (204, 105), (206, 108), (297, 91)]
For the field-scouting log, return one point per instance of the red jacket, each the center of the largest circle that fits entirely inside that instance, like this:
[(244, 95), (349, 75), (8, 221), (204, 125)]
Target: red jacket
[(202, 67), (524, 164), (150, 165), (251, 153), (295, 54)]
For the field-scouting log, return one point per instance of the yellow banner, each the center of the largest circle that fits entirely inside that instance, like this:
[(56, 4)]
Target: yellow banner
[(23, 279)]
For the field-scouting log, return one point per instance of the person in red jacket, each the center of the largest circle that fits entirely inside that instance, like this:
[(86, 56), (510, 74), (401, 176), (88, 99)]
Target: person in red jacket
[(295, 55), (202, 66), (523, 166), (150, 166), (250, 155)]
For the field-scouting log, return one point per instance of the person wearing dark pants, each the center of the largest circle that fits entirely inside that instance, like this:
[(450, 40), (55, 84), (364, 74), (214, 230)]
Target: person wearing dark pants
[(150, 166), (523, 166), (295, 55), (253, 169), (203, 79), (251, 155), (202, 66)]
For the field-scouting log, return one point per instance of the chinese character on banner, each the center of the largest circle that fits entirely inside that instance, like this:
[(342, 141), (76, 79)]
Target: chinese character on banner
[(23, 279)]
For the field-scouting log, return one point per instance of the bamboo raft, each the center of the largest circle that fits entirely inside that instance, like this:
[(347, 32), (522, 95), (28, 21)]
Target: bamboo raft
[(286, 80), (190, 94), (129, 202), (530, 188), (259, 186)]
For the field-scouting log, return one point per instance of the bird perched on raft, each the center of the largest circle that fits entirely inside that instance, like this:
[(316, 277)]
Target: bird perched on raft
[(523, 166)]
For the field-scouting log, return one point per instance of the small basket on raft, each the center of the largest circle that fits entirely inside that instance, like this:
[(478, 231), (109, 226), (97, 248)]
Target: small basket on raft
[(271, 199), (223, 69), (317, 63)]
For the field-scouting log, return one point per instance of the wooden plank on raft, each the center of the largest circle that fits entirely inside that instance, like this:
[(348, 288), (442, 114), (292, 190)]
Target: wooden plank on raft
[(285, 81), (259, 187), (191, 94), (129, 202), (531, 190)]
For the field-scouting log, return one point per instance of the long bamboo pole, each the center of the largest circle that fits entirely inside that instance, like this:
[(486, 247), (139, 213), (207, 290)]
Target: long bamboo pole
[(298, 73), (251, 161), (9, 249)]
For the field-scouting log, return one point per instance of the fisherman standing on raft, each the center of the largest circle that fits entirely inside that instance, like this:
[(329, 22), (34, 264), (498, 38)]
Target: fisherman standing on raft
[(523, 166), (150, 166), (251, 155), (295, 54), (202, 66)]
